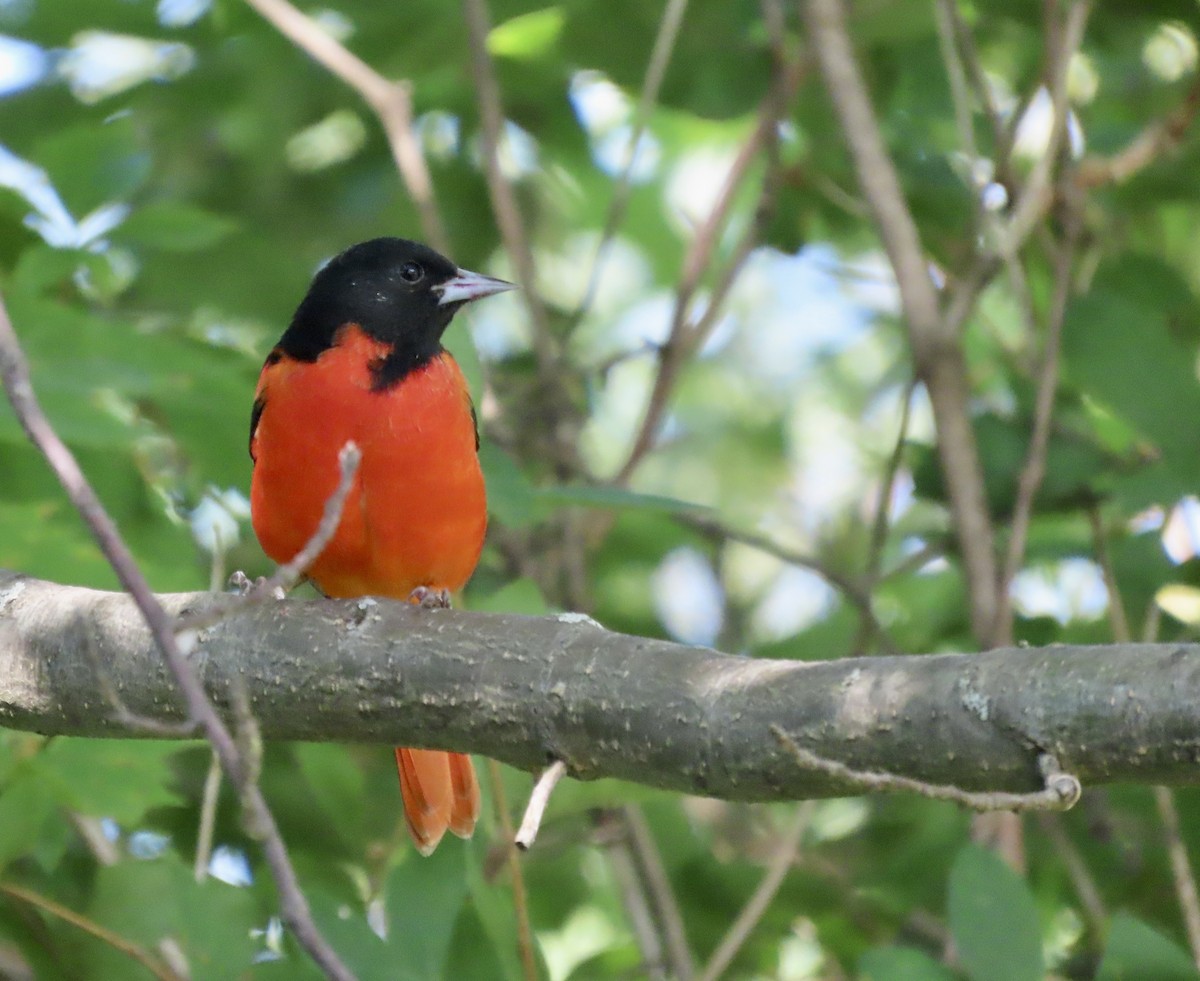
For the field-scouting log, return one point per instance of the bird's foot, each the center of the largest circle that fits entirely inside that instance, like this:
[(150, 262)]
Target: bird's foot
[(430, 599), (242, 584)]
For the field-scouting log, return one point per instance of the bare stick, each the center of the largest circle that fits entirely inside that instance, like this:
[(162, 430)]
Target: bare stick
[(104, 850), (1061, 792), (869, 626), (778, 866), (127, 947), (391, 102), (290, 573), (1181, 869), (1118, 620), (956, 74), (14, 371), (683, 337), (520, 902), (661, 895), (504, 202), (969, 56), (1081, 877), (1157, 139), (1036, 195), (208, 819), (637, 908), (656, 70), (936, 350), (538, 800), (1034, 469)]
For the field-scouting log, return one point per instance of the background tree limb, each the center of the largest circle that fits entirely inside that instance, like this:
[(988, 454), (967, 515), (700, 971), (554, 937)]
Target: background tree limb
[(525, 690)]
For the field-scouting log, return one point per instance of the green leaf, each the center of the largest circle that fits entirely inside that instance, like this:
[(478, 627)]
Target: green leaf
[(617, 498), (495, 912), (92, 164), (511, 498), (344, 926), (175, 226), (527, 35), (1138, 952), (42, 267), (149, 901), (519, 596), (117, 778), (424, 896), (1131, 344), (336, 784), (26, 805), (993, 919), (900, 964)]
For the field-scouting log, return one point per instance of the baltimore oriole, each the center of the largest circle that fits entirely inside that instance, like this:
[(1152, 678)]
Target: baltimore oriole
[(363, 360)]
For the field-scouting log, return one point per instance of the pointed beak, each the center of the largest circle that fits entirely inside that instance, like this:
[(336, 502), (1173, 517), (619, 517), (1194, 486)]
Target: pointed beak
[(465, 286)]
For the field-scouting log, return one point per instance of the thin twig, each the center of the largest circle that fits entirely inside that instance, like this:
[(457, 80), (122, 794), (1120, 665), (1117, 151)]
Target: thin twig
[(104, 850), (935, 346), (391, 102), (1158, 138), (290, 573), (965, 45), (868, 623), (662, 896), (1081, 877), (1036, 195), (637, 908), (1061, 792), (1033, 471), (504, 201), (778, 866), (853, 591), (1181, 869), (879, 527), (293, 906), (208, 819), (127, 947), (683, 337), (656, 70), (944, 14), (536, 807), (1118, 620), (525, 945)]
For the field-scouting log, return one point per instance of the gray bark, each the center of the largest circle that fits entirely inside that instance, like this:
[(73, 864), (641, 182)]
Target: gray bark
[(526, 690)]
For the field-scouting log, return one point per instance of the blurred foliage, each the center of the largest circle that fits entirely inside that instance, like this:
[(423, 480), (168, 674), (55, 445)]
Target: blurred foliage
[(171, 174)]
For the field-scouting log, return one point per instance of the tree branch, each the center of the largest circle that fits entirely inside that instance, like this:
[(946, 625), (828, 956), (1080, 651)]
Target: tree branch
[(526, 690), (169, 651), (684, 336), (504, 201), (936, 351), (391, 102)]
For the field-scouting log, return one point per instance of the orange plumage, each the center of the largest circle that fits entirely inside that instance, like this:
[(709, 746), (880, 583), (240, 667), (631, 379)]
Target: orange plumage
[(362, 361)]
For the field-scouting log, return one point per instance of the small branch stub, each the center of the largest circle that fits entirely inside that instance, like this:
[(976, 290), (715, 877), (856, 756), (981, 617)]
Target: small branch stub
[(288, 575), (537, 804)]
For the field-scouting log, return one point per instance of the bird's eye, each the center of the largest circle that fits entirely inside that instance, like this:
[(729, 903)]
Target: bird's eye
[(411, 272)]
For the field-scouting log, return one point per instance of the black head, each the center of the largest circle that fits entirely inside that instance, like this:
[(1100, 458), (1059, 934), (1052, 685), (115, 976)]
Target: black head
[(399, 292)]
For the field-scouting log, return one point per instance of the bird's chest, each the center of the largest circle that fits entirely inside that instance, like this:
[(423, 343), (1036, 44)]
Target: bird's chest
[(416, 513)]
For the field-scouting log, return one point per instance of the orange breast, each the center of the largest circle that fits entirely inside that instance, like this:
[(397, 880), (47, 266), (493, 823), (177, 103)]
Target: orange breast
[(416, 514)]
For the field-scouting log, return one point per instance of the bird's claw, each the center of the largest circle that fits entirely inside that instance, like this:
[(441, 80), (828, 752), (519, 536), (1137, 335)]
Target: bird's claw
[(242, 584), (430, 599)]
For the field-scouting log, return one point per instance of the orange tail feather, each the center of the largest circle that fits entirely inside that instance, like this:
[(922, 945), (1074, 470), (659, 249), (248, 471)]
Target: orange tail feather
[(465, 810), (440, 792)]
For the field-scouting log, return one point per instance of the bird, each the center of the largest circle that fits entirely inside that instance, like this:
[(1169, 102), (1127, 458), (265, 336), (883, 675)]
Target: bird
[(362, 361)]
